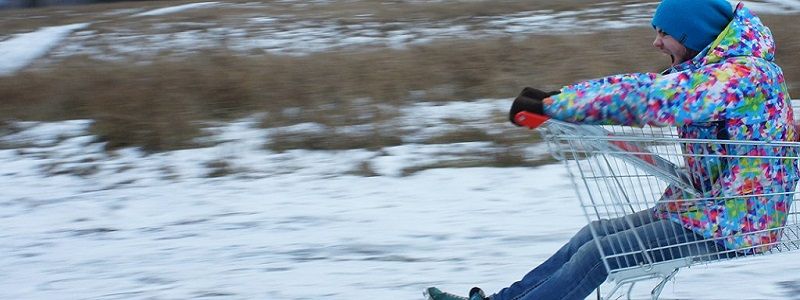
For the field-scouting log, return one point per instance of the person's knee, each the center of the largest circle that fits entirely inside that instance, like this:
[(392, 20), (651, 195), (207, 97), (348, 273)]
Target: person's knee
[(618, 252), (591, 257), (601, 227), (590, 252)]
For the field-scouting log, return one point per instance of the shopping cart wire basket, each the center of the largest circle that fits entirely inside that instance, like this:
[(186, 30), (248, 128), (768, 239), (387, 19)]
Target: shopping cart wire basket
[(618, 171)]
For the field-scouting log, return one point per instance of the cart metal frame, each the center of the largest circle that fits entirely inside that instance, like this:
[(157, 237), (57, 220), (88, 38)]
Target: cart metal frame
[(617, 171)]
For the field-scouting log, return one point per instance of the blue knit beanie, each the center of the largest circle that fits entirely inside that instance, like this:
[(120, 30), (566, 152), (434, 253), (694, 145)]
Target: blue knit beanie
[(694, 23)]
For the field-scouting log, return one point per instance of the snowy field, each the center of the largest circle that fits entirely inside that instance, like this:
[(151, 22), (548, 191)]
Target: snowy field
[(158, 33), (78, 222)]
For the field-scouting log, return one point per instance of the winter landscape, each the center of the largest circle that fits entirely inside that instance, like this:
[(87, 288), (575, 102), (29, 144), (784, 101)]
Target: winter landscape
[(455, 198)]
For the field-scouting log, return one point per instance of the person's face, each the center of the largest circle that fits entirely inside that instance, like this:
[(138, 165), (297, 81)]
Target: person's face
[(670, 46)]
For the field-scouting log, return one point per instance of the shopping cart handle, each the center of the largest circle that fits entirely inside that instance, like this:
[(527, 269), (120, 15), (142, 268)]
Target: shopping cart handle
[(529, 119)]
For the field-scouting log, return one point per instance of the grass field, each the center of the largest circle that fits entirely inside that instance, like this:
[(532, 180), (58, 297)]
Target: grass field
[(164, 101)]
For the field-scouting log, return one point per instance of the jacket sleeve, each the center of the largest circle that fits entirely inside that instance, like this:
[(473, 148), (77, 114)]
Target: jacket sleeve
[(640, 99)]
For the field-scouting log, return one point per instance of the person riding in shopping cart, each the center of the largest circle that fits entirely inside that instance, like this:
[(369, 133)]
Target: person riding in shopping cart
[(723, 83)]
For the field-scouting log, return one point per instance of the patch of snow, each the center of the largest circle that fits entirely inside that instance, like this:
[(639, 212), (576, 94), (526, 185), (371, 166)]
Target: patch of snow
[(21, 50), (174, 9), (263, 20)]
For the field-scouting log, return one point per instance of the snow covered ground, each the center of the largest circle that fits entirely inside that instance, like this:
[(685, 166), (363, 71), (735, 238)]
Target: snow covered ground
[(81, 223), (158, 33), (288, 34)]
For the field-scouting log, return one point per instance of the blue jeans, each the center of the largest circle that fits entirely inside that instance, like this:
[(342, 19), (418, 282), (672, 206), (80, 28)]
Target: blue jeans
[(577, 268)]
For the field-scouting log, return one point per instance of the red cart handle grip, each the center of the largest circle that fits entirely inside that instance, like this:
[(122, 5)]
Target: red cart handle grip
[(529, 119)]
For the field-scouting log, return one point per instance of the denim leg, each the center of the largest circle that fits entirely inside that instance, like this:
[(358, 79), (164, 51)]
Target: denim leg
[(585, 271), (564, 255)]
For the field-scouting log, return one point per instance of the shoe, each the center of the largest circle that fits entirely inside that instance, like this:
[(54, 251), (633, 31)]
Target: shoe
[(433, 293)]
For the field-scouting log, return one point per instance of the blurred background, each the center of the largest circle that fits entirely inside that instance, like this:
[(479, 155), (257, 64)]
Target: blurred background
[(288, 149), (134, 71)]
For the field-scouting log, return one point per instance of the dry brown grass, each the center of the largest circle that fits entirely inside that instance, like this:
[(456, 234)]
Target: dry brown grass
[(352, 12), (392, 11), (108, 17), (333, 140), (502, 158), (162, 105), (132, 106), (29, 19), (785, 29)]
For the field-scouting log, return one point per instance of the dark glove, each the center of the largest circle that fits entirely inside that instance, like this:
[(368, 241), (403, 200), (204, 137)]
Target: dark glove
[(530, 100)]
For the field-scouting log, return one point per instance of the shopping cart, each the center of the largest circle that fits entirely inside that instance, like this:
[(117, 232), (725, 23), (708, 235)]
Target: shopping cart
[(618, 171)]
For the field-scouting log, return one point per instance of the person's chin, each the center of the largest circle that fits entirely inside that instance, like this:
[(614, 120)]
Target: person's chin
[(671, 57), (673, 61)]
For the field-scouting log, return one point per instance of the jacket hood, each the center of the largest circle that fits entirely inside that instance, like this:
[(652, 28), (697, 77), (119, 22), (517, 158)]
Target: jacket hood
[(744, 36)]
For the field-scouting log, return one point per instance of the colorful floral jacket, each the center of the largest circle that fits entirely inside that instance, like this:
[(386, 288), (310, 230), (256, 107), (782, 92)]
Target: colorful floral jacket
[(731, 90)]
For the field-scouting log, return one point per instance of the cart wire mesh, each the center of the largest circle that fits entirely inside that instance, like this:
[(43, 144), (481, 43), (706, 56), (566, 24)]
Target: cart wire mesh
[(620, 172)]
